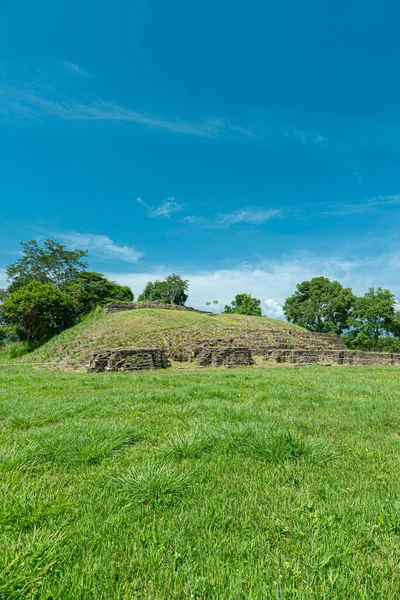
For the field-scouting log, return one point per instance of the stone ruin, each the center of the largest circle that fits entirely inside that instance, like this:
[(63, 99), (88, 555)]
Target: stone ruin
[(128, 360), (223, 357), (331, 357), (283, 345), (124, 306)]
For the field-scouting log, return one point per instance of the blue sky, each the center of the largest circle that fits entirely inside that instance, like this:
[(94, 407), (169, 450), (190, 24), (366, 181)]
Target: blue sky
[(247, 146)]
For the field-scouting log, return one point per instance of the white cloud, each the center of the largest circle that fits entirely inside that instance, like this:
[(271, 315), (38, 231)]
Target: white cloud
[(341, 209), (382, 200), (273, 308), (253, 216), (3, 282), (165, 209), (101, 246), (74, 69), (277, 278), (30, 103)]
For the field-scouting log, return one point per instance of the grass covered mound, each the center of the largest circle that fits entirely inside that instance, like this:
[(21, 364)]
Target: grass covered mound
[(210, 485), (177, 331)]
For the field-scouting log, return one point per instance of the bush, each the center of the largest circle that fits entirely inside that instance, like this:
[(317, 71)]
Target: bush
[(37, 311)]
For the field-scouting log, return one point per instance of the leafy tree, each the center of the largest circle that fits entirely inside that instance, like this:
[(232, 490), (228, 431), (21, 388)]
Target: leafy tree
[(50, 263), (320, 305), (90, 289), (37, 311), (172, 290), (244, 304), (374, 316)]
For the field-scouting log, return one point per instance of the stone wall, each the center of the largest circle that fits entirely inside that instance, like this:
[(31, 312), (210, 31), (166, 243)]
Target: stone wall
[(128, 360), (261, 344), (226, 357), (325, 356), (122, 306)]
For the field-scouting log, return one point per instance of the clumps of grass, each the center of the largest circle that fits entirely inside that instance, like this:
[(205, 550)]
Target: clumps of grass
[(191, 445), (185, 412), (275, 445), (70, 445), (153, 484)]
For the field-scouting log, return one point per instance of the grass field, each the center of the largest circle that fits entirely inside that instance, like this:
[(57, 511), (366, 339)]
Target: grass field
[(224, 484)]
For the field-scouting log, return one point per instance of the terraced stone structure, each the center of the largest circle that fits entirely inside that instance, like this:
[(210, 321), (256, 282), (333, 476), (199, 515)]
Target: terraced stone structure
[(128, 360), (331, 357), (276, 340), (226, 357)]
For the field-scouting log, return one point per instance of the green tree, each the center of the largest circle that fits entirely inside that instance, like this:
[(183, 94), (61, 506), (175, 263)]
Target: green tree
[(90, 289), (37, 311), (320, 305), (244, 304), (50, 263), (172, 290), (374, 317)]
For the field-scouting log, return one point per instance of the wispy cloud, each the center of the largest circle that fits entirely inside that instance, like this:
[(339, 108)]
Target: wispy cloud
[(101, 246), (382, 200), (250, 216), (75, 69), (167, 208), (23, 102), (340, 209), (302, 135)]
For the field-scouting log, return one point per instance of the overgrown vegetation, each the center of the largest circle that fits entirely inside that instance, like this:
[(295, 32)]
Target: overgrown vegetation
[(224, 484)]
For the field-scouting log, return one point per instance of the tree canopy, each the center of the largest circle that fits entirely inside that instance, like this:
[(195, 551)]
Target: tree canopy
[(90, 289), (320, 305), (173, 290), (50, 263), (244, 304), (374, 317)]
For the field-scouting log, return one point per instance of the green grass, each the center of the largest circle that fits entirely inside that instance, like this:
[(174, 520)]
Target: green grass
[(215, 484)]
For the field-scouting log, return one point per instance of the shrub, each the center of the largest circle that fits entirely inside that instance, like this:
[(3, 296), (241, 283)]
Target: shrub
[(37, 311)]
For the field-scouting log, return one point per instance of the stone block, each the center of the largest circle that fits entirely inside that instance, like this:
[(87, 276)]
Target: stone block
[(128, 360), (226, 357)]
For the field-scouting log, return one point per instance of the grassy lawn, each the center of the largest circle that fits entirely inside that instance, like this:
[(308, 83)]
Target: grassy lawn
[(227, 484)]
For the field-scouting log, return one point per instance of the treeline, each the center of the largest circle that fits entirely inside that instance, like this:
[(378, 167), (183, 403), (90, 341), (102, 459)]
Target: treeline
[(50, 289), (368, 322)]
